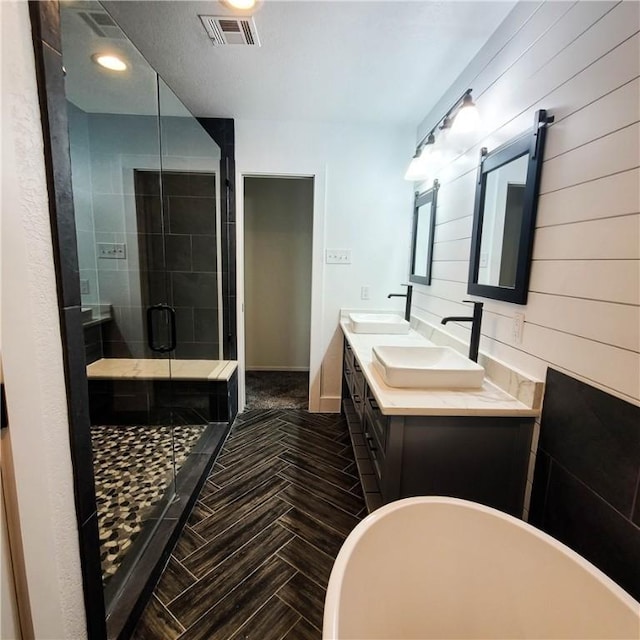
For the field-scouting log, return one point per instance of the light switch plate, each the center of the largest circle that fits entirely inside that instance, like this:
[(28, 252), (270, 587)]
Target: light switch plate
[(112, 250), (518, 327), (338, 256)]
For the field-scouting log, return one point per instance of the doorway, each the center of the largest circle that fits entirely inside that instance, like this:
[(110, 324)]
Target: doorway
[(278, 239)]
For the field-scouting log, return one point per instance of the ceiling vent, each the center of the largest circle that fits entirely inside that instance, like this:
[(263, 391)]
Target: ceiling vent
[(101, 24), (225, 30)]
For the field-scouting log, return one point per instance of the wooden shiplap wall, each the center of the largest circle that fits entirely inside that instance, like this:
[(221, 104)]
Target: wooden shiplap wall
[(581, 62)]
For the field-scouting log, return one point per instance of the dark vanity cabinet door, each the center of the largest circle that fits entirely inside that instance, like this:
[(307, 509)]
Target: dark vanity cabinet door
[(479, 458), (377, 421), (354, 379), (374, 443), (484, 459)]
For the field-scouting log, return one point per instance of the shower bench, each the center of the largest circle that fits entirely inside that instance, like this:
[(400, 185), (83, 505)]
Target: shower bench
[(150, 391)]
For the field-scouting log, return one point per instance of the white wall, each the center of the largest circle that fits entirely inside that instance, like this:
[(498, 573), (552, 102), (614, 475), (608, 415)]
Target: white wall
[(580, 61), (361, 202), (278, 226), (32, 350)]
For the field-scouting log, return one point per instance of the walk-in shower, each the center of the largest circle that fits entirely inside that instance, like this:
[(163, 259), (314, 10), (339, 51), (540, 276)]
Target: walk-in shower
[(146, 184)]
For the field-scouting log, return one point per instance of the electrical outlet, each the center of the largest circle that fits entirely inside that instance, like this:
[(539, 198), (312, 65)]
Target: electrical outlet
[(518, 327), (338, 256), (112, 250), (364, 292)]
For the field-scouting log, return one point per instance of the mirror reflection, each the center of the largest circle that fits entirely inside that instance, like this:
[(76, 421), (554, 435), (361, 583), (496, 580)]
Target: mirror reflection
[(423, 228), (502, 223), (504, 217)]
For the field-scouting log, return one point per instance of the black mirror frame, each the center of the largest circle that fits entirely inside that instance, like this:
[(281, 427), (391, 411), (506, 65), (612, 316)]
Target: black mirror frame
[(426, 197), (531, 142)]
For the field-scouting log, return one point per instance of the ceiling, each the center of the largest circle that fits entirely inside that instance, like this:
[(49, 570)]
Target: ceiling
[(378, 61), (97, 90)]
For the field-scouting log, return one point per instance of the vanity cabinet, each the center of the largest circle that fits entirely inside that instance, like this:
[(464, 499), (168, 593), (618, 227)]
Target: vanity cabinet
[(479, 458), (354, 379)]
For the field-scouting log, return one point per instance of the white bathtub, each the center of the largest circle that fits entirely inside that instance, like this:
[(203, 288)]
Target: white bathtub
[(434, 567)]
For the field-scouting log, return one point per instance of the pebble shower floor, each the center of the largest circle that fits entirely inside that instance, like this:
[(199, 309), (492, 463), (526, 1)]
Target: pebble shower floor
[(133, 466)]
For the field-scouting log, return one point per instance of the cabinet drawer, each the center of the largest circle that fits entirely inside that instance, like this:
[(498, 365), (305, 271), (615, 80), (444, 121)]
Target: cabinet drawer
[(348, 355), (348, 371), (358, 382), (357, 389), (347, 366), (373, 448), (377, 420), (356, 366)]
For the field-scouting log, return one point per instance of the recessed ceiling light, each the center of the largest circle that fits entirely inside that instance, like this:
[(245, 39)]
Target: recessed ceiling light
[(109, 61), (242, 5)]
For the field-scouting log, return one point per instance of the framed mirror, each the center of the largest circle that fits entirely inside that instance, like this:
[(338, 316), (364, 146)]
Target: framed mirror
[(424, 223), (505, 215)]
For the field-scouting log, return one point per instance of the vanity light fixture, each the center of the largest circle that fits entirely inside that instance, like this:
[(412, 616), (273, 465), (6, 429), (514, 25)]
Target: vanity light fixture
[(467, 119), (109, 61), (464, 120), (446, 123), (414, 170), (419, 166)]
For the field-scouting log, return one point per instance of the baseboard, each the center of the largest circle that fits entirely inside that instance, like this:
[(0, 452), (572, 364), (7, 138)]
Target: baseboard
[(329, 404)]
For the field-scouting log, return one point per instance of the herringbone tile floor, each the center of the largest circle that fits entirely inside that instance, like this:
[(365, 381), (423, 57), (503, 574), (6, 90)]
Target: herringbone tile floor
[(255, 557)]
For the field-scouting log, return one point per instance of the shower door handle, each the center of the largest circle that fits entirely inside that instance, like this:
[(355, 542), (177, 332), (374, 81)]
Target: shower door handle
[(168, 312)]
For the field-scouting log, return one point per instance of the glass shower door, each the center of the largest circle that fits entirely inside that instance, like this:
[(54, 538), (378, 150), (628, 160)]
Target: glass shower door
[(145, 179), (190, 162), (129, 328)]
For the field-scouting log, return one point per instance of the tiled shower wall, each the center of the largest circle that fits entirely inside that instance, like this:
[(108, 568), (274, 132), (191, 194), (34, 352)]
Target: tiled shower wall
[(106, 150), (180, 265), (83, 202)]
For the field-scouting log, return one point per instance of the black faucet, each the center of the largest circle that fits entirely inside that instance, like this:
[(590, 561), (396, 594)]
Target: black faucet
[(475, 320), (407, 306)]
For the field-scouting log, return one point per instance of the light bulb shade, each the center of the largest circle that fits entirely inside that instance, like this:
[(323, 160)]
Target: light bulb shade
[(434, 160), (414, 170), (418, 167), (467, 119)]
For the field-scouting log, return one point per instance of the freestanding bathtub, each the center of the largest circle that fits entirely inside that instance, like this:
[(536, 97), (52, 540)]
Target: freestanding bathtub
[(433, 567)]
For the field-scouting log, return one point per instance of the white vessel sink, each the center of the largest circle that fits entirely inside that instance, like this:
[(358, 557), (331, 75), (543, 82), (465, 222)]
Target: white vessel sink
[(426, 367), (378, 323)]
